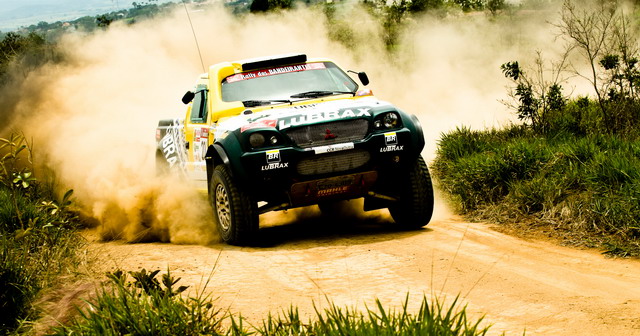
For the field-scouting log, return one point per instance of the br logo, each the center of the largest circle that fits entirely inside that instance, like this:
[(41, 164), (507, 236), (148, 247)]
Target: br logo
[(390, 139), (273, 156)]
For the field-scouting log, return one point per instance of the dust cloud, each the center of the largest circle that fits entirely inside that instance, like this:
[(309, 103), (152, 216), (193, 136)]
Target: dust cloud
[(93, 118)]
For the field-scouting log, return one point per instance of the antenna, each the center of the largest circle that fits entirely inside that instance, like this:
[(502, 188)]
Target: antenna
[(194, 35)]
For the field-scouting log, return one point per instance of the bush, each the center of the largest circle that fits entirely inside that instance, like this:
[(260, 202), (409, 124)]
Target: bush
[(577, 184), (478, 169)]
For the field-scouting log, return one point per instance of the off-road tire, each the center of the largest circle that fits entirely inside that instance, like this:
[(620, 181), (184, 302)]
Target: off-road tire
[(235, 213), (415, 205)]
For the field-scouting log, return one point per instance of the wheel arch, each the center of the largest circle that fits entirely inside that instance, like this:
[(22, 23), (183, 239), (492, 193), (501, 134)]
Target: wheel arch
[(417, 133), (215, 156)]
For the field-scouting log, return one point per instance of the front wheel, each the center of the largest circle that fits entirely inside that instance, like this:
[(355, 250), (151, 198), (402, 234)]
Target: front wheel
[(235, 213), (415, 205)]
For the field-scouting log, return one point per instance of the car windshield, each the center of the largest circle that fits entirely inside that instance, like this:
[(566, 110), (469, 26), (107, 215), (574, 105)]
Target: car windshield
[(280, 83)]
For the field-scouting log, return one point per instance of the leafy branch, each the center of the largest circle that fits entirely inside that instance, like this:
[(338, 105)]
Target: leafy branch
[(536, 95)]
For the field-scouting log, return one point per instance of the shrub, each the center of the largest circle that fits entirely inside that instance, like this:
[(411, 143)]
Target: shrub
[(580, 184)]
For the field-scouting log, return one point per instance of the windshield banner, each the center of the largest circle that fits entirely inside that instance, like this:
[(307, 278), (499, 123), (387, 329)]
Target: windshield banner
[(274, 71)]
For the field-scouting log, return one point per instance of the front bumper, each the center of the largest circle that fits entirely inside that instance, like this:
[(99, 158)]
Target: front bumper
[(347, 170)]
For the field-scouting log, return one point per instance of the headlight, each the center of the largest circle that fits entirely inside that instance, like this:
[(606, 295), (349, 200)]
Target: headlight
[(256, 140), (390, 120), (273, 140)]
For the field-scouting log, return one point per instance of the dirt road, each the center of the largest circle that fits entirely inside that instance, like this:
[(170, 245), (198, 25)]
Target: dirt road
[(543, 288)]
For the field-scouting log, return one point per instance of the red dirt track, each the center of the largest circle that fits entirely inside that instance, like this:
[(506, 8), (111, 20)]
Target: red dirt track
[(519, 285)]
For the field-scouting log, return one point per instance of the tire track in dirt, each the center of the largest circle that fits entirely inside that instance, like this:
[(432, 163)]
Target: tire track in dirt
[(518, 284)]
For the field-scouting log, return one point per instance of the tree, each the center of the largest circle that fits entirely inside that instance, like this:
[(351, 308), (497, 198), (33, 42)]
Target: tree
[(30, 50), (269, 5), (590, 32), (103, 21), (606, 38), (470, 5), (418, 6), (495, 5), (536, 95)]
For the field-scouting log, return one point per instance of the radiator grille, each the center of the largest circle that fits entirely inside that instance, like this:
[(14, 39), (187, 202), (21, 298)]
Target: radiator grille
[(329, 133), (333, 162)]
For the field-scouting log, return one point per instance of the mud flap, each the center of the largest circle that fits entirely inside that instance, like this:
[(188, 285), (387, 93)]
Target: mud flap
[(172, 150)]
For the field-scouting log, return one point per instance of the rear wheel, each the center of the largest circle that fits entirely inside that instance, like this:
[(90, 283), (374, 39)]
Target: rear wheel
[(415, 205), (235, 213)]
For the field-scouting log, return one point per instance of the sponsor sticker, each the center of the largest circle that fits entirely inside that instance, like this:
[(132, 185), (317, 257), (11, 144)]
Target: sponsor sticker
[(200, 143), (394, 148), (273, 156), (365, 92), (333, 191), (169, 149), (390, 139), (273, 161), (259, 124), (274, 71), (333, 148), (313, 117), (391, 142), (173, 146)]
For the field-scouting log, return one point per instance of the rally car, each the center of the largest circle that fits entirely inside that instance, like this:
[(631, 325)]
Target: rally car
[(288, 131)]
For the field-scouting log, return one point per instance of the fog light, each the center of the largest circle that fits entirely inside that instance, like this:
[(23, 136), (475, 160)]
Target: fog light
[(396, 159), (377, 123), (273, 140), (256, 140)]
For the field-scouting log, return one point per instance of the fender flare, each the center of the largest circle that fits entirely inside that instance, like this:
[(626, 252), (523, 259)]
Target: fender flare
[(418, 135), (216, 155)]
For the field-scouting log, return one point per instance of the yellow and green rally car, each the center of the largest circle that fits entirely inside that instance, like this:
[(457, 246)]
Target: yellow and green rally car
[(289, 131)]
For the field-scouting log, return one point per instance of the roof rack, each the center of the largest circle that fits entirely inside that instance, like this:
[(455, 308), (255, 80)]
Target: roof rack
[(260, 63)]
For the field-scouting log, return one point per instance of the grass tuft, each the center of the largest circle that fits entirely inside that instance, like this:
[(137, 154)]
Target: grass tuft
[(146, 306)]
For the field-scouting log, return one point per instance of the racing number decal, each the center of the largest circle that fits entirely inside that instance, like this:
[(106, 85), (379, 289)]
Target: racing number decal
[(200, 143)]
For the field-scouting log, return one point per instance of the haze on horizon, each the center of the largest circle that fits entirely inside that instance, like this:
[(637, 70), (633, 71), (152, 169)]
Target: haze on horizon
[(22, 13)]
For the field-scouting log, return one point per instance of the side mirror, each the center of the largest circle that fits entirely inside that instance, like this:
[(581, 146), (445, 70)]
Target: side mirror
[(363, 78), (188, 97)]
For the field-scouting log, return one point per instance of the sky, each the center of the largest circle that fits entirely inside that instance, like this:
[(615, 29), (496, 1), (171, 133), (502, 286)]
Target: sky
[(18, 13)]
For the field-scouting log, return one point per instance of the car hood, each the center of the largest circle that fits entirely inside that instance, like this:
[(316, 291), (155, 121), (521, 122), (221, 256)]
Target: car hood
[(299, 115)]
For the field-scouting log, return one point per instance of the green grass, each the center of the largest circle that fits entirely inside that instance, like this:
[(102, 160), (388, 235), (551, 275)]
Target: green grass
[(431, 319), (146, 306), (32, 259), (585, 186), (38, 239)]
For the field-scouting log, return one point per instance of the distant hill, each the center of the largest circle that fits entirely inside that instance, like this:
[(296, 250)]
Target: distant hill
[(18, 13)]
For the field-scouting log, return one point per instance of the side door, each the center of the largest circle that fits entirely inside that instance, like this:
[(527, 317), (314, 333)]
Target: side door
[(197, 135)]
